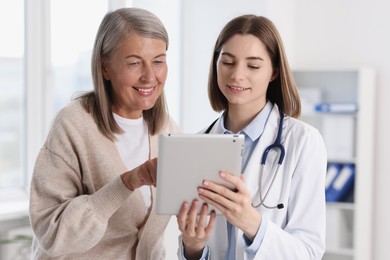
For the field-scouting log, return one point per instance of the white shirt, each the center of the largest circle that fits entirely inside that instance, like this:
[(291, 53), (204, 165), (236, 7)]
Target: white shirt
[(133, 147)]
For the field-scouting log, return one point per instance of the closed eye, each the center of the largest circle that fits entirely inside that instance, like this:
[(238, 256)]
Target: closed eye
[(227, 63), (158, 62), (134, 64)]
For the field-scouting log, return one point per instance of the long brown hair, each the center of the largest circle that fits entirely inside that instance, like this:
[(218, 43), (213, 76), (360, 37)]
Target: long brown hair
[(114, 29), (282, 90)]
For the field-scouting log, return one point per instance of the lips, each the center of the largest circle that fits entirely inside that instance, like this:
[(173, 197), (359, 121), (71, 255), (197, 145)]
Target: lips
[(144, 89), (236, 88)]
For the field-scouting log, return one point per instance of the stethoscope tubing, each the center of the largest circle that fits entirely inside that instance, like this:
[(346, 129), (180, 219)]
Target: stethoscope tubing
[(276, 145)]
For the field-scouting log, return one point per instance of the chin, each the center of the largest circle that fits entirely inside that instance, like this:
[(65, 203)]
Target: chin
[(148, 106)]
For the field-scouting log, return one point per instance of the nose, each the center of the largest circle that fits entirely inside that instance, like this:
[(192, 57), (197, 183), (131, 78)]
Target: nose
[(148, 74), (238, 72)]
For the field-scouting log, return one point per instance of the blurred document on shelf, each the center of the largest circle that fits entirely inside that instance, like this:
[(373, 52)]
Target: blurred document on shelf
[(337, 107), (331, 174), (339, 137), (342, 185)]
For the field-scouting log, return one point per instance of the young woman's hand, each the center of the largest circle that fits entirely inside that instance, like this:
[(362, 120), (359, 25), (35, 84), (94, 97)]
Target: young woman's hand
[(235, 205), (145, 174), (195, 229)]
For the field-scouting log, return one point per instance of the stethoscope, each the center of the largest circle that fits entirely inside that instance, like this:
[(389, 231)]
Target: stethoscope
[(276, 145)]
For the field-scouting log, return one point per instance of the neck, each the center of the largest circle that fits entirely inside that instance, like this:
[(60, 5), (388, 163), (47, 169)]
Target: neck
[(238, 118), (127, 114)]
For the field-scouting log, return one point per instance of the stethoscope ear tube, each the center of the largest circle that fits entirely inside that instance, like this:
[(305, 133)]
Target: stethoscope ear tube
[(276, 145), (269, 148)]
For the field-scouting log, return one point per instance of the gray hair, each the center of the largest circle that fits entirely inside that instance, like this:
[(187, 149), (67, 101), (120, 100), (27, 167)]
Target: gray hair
[(115, 28)]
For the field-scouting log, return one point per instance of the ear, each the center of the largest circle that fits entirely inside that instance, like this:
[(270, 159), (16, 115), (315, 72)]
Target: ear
[(105, 70), (275, 74)]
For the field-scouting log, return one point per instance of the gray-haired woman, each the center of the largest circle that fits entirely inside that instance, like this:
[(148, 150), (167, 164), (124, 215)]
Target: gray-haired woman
[(92, 194)]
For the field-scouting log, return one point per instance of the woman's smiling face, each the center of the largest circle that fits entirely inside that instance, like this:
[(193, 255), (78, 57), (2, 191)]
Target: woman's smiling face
[(244, 71), (137, 71)]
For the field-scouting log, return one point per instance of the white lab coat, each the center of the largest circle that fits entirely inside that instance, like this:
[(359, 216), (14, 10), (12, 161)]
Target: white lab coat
[(298, 230)]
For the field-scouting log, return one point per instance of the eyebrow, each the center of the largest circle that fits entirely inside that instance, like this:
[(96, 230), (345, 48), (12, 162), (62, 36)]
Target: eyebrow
[(248, 58), (139, 57)]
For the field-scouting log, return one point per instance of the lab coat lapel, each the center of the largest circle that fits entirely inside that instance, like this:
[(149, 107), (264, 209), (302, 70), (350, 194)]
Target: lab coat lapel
[(252, 170)]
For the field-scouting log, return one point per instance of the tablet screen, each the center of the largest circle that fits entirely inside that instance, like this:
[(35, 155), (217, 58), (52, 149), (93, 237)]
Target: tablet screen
[(185, 160)]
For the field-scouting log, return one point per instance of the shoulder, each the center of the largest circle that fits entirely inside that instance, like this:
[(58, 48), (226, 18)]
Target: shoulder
[(300, 127), (294, 130), (302, 134), (304, 142), (74, 114), (74, 111), (72, 120), (303, 138), (171, 126)]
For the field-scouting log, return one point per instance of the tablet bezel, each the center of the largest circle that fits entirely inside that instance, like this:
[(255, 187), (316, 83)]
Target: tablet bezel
[(185, 160)]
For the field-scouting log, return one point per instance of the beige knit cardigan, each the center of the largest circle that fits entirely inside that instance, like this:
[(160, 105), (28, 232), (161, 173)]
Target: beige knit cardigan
[(79, 206)]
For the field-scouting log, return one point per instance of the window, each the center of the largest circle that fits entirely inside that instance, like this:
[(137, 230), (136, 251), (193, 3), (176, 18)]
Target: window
[(12, 106), (74, 25), (44, 60)]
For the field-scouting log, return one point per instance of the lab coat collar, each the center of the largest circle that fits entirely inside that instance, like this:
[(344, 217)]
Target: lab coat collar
[(254, 129)]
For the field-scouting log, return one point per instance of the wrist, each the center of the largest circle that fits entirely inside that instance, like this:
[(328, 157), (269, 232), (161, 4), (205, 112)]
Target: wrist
[(193, 252), (253, 228), (126, 181)]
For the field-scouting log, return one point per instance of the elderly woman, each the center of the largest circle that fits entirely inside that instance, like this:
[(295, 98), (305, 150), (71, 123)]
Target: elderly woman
[(92, 194)]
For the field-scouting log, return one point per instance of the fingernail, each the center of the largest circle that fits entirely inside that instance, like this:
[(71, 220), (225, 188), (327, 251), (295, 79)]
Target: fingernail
[(222, 174), (205, 183)]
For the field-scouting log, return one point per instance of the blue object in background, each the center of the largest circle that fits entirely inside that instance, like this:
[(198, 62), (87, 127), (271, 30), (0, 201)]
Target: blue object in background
[(336, 107), (331, 174), (342, 184)]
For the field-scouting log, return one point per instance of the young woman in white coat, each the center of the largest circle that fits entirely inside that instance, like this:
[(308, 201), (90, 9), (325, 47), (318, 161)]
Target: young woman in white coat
[(276, 211)]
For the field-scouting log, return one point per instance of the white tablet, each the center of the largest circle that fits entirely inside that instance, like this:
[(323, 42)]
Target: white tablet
[(185, 160)]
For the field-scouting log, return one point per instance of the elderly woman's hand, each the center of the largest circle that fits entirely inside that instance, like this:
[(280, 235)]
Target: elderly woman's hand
[(145, 174)]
